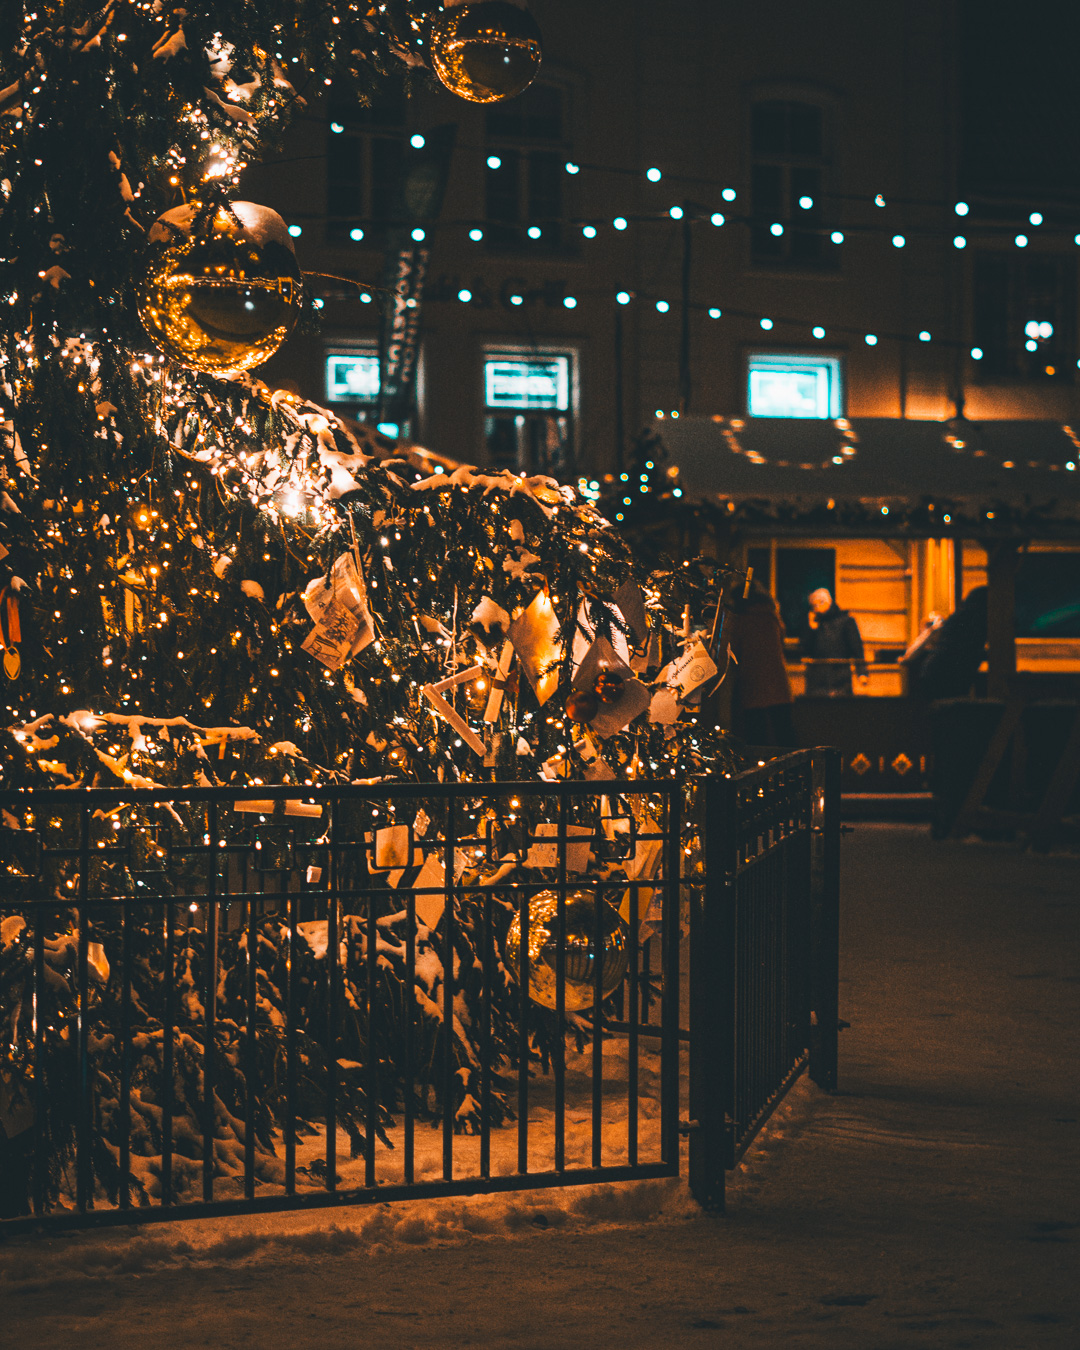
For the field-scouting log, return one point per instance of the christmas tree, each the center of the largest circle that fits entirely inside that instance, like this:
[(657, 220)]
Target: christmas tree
[(205, 581)]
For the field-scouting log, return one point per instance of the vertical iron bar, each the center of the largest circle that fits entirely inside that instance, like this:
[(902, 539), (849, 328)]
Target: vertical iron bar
[(712, 971), (669, 1011), (126, 926), (371, 1074), (632, 1034), (41, 1072), (210, 1011), (524, 900), (167, 1057), (559, 1056), (290, 1049), (825, 942), (332, 958), (598, 1032), (250, 1058), (485, 1040), (410, 1015), (83, 1183), (448, 990)]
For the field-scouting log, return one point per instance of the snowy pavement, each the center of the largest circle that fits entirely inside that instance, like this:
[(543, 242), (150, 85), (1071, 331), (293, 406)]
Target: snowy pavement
[(934, 1202)]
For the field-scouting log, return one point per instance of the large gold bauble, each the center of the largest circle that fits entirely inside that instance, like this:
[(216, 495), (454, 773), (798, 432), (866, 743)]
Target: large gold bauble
[(222, 293), (585, 942), (485, 50)]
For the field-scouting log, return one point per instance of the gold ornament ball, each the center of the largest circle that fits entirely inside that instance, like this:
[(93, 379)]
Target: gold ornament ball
[(485, 50), (586, 942), (221, 292)]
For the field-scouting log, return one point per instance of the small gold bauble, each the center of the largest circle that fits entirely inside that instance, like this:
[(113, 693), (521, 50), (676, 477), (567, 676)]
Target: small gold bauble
[(221, 292), (583, 947), (485, 50)]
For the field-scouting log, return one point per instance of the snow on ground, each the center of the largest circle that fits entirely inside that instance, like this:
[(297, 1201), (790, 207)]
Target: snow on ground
[(932, 1204)]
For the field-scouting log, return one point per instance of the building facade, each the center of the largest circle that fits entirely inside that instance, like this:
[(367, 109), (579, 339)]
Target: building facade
[(703, 210)]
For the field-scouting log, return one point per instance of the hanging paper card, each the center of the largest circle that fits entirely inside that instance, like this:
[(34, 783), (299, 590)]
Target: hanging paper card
[(585, 633), (332, 644), (537, 640), (392, 847), (600, 656), (652, 655), (692, 670), (578, 847), (338, 606), (632, 607), (611, 717), (664, 706), (429, 908)]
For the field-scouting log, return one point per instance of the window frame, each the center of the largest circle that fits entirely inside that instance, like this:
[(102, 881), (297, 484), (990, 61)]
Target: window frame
[(509, 236), (492, 349), (361, 128), (828, 263)]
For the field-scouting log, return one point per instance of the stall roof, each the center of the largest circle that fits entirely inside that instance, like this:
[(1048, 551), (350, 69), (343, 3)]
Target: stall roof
[(882, 473)]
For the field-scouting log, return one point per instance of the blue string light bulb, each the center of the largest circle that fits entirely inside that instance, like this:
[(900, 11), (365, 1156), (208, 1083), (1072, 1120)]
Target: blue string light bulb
[(485, 50)]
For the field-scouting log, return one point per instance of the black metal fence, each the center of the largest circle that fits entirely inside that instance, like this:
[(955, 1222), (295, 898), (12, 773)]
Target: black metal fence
[(231, 1001), (764, 955), (223, 1001)]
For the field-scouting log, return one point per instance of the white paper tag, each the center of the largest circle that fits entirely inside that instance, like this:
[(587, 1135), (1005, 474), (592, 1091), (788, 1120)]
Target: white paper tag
[(256, 806), (343, 624), (578, 847), (692, 670), (314, 875)]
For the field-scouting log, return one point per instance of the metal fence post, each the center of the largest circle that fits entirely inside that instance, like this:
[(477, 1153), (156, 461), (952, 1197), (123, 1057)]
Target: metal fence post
[(712, 998), (825, 922)]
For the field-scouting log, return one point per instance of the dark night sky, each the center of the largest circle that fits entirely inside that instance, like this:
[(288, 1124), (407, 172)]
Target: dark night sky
[(1020, 69)]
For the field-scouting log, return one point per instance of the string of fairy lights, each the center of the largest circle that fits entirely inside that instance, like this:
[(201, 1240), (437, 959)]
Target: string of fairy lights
[(539, 231)]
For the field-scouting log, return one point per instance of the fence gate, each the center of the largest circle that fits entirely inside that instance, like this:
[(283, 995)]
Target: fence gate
[(764, 952)]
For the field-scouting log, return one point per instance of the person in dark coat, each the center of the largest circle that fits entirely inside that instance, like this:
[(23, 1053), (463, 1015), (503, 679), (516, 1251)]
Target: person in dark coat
[(832, 636), (945, 665), (761, 701)]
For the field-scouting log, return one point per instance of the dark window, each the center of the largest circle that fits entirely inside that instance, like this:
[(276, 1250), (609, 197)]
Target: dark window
[(787, 183), (1048, 596), (364, 149), (526, 153), (798, 572), (1025, 316)]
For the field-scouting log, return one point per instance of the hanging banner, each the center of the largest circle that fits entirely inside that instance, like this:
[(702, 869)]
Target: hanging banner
[(421, 189)]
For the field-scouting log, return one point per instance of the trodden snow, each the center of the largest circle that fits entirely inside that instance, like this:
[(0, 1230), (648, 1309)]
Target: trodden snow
[(933, 1202)]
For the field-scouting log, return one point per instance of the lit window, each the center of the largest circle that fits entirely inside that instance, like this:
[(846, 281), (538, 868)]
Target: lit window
[(352, 377), (527, 382), (793, 386), (529, 410)]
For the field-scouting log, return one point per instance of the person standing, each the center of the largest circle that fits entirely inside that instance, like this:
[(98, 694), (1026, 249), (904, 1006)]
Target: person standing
[(761, 702), (831, 644)]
